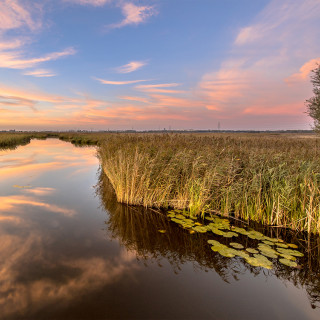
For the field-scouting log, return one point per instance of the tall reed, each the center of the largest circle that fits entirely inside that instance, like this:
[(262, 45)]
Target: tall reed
[(271, 179)]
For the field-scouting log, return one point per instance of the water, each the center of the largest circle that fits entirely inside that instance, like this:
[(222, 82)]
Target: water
[(69, 251)]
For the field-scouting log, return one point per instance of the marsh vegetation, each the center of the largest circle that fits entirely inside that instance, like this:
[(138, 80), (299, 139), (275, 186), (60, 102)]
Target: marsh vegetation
[(270, 178)]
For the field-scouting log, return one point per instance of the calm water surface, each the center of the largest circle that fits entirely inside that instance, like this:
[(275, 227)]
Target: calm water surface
[(69, 251)]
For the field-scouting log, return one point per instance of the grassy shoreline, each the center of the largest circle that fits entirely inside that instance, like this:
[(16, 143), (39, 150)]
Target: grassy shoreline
[(14, 139), (270, 178)]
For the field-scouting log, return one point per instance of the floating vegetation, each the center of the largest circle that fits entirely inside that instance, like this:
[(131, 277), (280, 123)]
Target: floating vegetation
[(229, 253), (230, 234), (268, 248), (251, 250), (282, 245), (291, 245), (263, 261), (270, 243), (288, 263), (290, 252), (236, 245), (200, 229)]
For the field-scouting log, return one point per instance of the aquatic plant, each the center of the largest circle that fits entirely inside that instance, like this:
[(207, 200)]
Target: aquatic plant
[(260, 255)]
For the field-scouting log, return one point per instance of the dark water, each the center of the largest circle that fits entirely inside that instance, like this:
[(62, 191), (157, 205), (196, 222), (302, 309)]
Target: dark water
[(69, 251)]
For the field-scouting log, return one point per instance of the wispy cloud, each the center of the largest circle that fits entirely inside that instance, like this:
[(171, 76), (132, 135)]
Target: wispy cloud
[(25, 17), (15, 14), (16, 60), (134, 15), (39, 73), (160, 85), (8, 100), (279, 17), (117, 83), (160, 88), (133, 98), (131, 66), (250, 82), (95, 3)]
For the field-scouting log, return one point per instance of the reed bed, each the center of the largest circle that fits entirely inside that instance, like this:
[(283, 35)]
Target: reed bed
[(9, 140), (271, 179), (14, 139)]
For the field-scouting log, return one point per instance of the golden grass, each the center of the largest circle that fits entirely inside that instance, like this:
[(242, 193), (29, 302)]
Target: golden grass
[(266, 178), (270, 178)]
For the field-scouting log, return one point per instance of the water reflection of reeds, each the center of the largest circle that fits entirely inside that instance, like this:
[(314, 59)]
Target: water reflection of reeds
[(137, 228)]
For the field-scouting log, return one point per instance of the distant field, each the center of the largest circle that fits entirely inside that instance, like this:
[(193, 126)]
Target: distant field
[(273, 178)]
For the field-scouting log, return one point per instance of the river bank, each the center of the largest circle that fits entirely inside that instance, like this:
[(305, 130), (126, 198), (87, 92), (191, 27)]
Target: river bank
[(269, 178)]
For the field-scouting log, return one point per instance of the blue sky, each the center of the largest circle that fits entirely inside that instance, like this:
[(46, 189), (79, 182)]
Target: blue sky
[(99, 64)]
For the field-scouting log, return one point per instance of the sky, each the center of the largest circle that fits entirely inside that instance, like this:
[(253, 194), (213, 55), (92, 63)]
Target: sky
[(155, 64)]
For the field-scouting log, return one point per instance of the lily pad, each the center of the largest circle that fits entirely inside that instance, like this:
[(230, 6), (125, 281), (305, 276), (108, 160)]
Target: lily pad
[(200, 229), (267, 250), (228, 252), (265, 262), (217, 231), (236, 245), (288, 263), (259, 262), (237, 229), (281, 245), (288, 257), (218, 247), (243, 254), (269, 254), (230, 234), (214, 242), (290, 252), (252, 250), (271, 239), (292, 245), (255, 235), (270, 243)]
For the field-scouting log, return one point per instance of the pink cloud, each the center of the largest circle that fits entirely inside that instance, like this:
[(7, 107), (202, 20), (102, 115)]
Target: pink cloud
[(95, 3), (160, 85), (40, 73), (304, 71), (15, 60), (117, 83), (14, 14), (134, 15), (131, 66), (133, 98)]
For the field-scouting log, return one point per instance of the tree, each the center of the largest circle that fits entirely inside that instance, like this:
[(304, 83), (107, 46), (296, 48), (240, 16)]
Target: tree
[(313, 104)]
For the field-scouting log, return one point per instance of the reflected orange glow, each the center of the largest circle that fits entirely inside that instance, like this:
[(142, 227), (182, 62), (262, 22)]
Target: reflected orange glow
[(10, 202)]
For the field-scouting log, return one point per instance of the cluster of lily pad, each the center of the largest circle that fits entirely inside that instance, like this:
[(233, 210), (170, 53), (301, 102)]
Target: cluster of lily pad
[(268, 247)]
